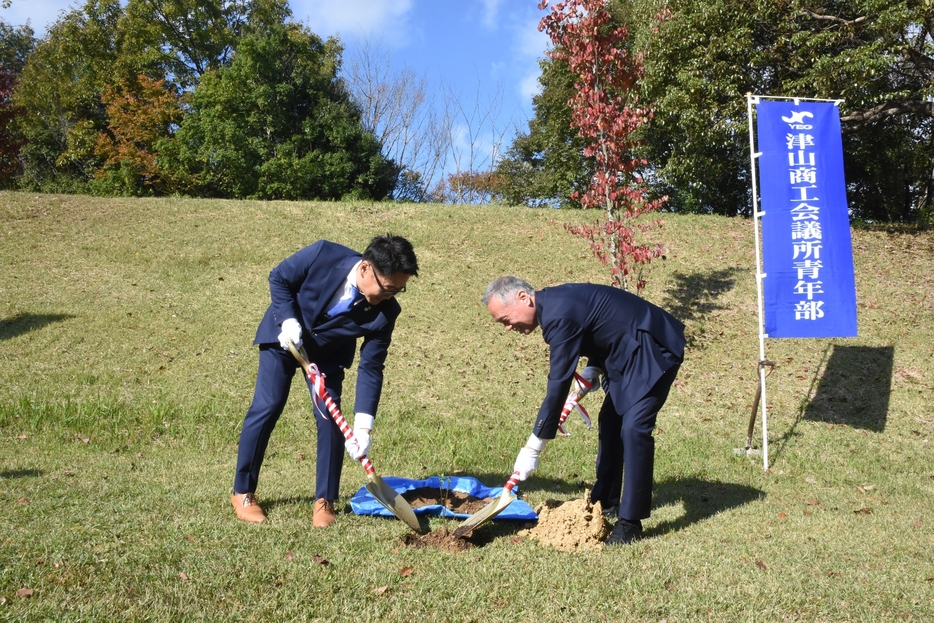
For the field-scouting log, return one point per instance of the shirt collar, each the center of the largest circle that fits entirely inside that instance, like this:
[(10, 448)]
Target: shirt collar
[(352, 277)]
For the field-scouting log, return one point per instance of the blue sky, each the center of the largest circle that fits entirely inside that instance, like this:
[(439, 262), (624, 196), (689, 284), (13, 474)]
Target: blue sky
[(481, 49)]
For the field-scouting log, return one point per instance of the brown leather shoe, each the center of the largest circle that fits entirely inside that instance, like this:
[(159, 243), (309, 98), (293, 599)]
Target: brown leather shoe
[(324, 513), (247, 508)]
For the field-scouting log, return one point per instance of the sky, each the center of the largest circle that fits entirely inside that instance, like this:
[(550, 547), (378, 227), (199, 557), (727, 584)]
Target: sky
[(486, 51)]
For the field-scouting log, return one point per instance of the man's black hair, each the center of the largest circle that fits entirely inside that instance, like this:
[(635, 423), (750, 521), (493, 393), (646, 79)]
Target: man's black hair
[(391, 254)]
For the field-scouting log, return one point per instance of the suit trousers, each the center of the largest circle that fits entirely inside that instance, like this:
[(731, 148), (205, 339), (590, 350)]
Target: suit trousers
[(627, 446), (273, 381)]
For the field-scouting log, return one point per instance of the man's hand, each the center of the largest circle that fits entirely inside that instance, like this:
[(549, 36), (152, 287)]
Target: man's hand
[(358, 446), (592, 376), (527, 461), (291, 331)]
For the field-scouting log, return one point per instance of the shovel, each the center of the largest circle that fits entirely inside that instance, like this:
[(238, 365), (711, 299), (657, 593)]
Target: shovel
[(491, 510), (384, 494), (581, 388)]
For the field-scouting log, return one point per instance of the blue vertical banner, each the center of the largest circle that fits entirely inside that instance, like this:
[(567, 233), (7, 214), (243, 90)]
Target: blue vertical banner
[(809, 289)]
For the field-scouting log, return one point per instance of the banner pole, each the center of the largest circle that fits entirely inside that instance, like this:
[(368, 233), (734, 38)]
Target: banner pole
[(757, 214)]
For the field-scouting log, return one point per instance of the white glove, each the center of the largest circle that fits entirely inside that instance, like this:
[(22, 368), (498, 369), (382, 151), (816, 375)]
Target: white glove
[(359, 446), (291, 331), (592, 374), (527, 461)]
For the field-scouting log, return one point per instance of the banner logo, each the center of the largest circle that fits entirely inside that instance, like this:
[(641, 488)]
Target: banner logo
[(796, 120)]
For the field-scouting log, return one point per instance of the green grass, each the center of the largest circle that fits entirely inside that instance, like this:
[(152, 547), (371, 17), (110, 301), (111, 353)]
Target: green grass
[(125, 335)]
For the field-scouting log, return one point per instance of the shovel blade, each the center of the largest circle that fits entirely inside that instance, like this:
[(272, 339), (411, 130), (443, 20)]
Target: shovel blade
[(394, 503), (485, 514)]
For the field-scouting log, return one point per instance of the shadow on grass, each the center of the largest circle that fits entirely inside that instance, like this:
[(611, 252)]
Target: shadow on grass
[(21, 473), (24, 323), (853, 389), (694, 296), (790, 433), (701, 499), (270, 505)]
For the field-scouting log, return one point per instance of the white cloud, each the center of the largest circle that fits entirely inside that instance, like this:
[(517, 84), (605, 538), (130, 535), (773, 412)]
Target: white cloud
[(497, 70), (383, 19), (529, 86), (529, 41), (527, 46), (490, 12)]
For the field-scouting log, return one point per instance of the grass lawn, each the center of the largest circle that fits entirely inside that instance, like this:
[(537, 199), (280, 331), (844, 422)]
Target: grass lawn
[(125, 334)]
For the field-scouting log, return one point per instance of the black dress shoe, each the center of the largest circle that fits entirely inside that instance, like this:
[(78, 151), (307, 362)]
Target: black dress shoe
[(625, 532), (609, 508)]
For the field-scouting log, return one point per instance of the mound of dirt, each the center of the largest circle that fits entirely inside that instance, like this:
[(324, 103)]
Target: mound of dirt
[(570, 526), (455, 501), (438, 539)]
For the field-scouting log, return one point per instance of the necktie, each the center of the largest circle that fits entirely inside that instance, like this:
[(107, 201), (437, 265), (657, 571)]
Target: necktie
[(346, 303)]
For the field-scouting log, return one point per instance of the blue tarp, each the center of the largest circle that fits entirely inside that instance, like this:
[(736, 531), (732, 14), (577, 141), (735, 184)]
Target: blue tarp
[(363, 503)]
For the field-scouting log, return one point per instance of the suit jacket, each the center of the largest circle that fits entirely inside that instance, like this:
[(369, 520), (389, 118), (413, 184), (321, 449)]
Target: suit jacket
[(634, 341), (300, 287)]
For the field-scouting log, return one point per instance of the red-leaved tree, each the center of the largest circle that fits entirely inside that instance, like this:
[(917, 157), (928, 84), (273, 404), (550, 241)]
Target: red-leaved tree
[(606, 112), (141, 114)]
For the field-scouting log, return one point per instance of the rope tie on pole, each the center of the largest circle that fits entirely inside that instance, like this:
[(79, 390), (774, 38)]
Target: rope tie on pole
[(764, 363)]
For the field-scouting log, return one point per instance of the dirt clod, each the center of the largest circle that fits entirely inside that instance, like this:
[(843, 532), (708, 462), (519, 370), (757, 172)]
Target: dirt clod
[(570, 526), (438, 539)]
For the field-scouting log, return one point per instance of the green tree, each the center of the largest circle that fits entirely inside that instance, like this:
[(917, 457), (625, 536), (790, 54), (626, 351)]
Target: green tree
[(16, 44), (184, 39), (546, 165), (875, 55), (10, 141), (878, 56), (142, 115), (59, 90), (703, 56), (699, 64), (278, 123)]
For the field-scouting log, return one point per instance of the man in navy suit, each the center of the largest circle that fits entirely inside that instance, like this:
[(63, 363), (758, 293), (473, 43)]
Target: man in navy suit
[(636, 346), (326, 296)]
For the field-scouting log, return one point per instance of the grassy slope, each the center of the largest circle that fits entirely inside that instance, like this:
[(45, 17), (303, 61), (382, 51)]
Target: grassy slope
[(125, 330)]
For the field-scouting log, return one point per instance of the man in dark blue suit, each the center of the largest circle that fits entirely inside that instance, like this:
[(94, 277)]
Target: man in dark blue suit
[(636, 346), (326, 296)]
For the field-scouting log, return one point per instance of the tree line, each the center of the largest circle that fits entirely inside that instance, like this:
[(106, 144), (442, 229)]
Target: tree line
[(701, 57), (224, 98), (231, 98), (227, 98)]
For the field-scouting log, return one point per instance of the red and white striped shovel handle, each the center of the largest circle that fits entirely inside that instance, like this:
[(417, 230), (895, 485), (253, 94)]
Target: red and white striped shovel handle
[(572, 402), (325, 402), (511, 484)]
